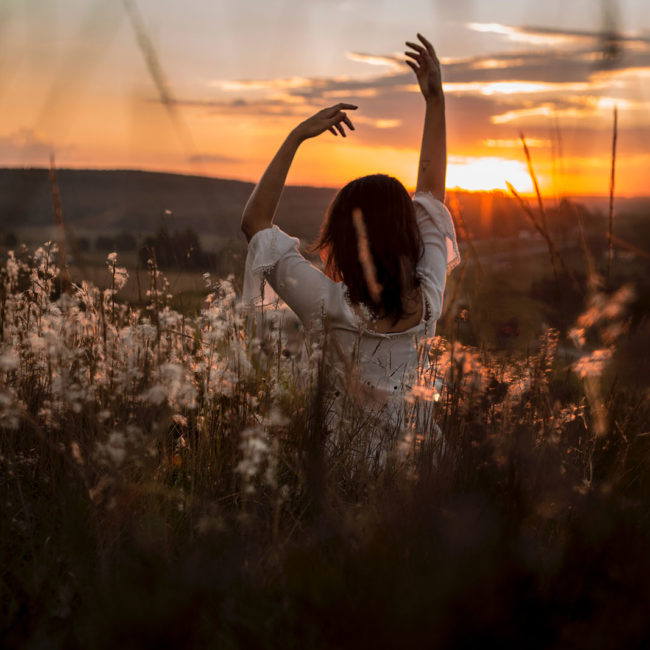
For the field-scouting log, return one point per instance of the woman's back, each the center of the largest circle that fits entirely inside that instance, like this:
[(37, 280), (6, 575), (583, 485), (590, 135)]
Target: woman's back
[(386, 256), (371, 359)]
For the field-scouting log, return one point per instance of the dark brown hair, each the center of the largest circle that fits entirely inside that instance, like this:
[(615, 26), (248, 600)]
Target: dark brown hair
[(393, 240)]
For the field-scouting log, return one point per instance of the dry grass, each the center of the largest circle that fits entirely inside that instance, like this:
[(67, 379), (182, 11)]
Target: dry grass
[(169, 480)]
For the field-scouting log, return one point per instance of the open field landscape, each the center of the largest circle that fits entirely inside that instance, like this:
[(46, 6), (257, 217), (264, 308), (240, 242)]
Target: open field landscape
[(167, 480), (458, 458)]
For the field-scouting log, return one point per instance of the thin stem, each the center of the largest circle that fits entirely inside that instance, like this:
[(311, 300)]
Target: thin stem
[(533, 176), (64, 275), (610, 231)]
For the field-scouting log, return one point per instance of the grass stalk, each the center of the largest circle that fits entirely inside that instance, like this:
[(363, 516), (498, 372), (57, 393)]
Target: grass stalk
[(64, 277), (541, 224), (612, 183)]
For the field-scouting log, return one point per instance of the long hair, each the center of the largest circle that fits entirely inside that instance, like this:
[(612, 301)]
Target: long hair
[(370, 241)]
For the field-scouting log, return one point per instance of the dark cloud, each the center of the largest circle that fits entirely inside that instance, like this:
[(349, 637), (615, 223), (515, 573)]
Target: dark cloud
[(498, 94), (209, 158), (573, 35), (544, 66), (375, 59), (25, 144)]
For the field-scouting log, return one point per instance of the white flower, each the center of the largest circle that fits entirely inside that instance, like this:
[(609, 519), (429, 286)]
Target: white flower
[(8, 360), (156, 395), (592, 365), (114, 449), (179, 419), (255, 450)]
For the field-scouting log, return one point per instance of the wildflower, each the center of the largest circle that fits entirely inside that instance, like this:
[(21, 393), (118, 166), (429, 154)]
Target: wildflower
[(255, 450), (9, 412), (577, 336), (592, 365), (156, 395), (76, 452), (114, 449), (424, 392), (8, 361), (179, 419)]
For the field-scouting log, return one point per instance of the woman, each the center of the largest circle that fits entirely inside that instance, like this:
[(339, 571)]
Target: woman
[(386, 258)]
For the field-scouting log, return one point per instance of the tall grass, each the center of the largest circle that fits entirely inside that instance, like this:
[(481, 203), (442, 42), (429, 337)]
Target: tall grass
[(170, 480)]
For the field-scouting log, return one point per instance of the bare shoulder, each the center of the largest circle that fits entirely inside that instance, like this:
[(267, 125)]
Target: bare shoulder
[(414, 314)]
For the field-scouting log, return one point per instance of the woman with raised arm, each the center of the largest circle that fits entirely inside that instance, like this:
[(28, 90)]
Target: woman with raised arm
[(385, 258)]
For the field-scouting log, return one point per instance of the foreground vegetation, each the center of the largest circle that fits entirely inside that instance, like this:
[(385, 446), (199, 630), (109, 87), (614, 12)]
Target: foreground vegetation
[(167, 480)]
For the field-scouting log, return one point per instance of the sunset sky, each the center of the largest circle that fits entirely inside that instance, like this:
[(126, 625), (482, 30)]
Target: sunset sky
[(219, 83)]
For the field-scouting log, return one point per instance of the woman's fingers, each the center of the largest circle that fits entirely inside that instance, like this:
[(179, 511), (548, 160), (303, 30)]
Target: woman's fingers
[(420, 67), (339, 107), (413, 66), (415, 46), (342, 118), (426, 51), (331, 118), (338, 119), (417, 57), (346, 119), (336, 115), (423, 61), (427, 44), (422, 55)]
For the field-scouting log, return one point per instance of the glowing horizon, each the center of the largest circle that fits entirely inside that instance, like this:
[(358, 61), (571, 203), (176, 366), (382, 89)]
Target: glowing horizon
[(76, 83)]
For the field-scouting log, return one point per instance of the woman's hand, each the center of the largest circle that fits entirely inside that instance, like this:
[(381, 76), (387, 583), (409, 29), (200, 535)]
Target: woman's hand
[(426, 66), (432, 168), (329, 119), (263, 202)]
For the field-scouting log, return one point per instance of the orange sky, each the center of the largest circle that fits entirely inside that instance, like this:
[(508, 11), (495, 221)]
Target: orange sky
[(76, 83)]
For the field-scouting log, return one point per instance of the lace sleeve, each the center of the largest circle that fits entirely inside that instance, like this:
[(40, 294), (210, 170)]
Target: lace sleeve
[(440, 248), (265, 249), (274, 265), (437, 213)]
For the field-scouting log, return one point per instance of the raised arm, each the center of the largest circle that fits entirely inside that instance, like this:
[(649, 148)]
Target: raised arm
[(432, 167), (263, 202)]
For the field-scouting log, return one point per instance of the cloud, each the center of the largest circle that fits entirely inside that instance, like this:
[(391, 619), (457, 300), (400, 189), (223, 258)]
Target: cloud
[(394, 62), (213, 158), (515, 143), (280, 106), (488, 97), (263, 84), (532, 35), (25, 146), (555, 36), (515, 73), (518, 87), (377, 123)]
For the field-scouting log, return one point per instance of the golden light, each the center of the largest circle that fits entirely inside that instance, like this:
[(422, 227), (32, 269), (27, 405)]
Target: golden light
[(487, 173), (331, 162), (489, 88)]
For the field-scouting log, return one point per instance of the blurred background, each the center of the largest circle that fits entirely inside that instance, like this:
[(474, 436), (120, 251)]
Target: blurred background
[(203, 92), (212, 87)]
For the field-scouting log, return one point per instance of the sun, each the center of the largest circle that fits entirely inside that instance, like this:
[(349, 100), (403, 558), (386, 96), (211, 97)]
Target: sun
[(487, 174)]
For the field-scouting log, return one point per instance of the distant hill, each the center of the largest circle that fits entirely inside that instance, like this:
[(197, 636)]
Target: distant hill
[(111, 201), (138, 201)]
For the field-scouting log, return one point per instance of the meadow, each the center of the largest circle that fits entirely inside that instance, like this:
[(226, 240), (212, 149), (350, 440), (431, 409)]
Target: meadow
[(168, 480)]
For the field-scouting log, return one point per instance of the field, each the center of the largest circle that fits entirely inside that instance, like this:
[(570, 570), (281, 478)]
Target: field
[(168, 480)]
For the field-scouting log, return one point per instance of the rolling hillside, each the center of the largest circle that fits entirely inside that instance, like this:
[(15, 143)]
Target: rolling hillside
[(139, 202)]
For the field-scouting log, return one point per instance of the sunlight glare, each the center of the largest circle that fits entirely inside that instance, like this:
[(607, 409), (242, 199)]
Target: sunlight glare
[(487, 173)]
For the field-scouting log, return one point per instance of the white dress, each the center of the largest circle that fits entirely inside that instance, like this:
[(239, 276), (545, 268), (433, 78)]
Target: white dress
[(370, 369)]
